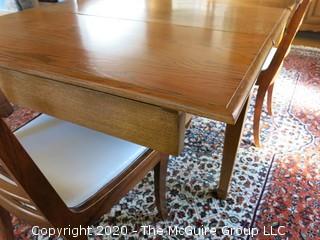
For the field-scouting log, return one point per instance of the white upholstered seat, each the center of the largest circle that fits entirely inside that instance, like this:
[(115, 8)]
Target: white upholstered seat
[(269, 58), (77, 161)]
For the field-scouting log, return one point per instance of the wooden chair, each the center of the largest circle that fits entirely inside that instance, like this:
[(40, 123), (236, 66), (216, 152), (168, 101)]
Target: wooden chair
[(25, 4), (273, 65), (57, 174)]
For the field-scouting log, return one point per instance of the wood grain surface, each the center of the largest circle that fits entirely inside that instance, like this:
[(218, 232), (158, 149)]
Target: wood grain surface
[(200, 57), (142, 123)]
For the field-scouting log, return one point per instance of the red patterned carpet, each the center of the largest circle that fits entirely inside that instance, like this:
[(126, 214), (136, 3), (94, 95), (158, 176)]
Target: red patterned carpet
[(275, 186), (292, 195)]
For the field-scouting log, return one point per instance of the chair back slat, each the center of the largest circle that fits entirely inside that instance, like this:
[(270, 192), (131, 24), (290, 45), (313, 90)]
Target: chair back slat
[(14, 198), (4, 175), (13, 189), (284, 46), (10, 187), (21, 181), (23, 209)]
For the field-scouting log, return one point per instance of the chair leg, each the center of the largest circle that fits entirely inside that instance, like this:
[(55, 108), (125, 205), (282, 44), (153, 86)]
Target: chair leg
[(160, 174), (266, 84), (81, 237), (6, 229), (257, 114), (269, 102)]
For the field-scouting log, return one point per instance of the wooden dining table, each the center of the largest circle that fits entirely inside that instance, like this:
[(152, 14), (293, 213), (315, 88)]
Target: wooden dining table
[(135, 69)]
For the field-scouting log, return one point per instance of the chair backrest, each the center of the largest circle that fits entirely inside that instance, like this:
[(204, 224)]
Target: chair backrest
[(289, 34), (25, 4), (21, 180), (295, 21)]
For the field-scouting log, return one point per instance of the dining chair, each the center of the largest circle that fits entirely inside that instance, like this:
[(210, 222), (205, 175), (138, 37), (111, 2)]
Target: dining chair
[(25, 4), (57, 174), (272, 66)]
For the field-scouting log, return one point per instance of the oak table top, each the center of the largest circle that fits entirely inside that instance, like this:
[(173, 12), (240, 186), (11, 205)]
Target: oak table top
[(134, 68), (195, 56)]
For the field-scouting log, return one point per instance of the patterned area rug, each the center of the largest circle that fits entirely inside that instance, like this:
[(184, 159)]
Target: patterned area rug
[(275, 186), (291, 198)]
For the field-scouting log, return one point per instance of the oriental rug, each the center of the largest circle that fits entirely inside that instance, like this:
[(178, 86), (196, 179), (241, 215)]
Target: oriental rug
[(275, 189)]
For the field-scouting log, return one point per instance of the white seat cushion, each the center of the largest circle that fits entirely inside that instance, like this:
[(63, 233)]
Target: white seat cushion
[(269, 58), (77, 161)]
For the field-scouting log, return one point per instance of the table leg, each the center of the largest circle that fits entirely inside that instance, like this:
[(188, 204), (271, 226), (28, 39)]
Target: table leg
[(233, 135)]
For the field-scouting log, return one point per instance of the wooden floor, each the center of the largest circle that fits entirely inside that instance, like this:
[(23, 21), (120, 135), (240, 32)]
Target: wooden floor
[(308, 39)]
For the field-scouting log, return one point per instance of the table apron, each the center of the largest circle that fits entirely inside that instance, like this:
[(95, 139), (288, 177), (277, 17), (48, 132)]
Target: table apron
[(145, 124)]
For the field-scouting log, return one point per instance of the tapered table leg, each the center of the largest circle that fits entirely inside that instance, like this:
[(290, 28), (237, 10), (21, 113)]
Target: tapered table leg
[(233, 135)]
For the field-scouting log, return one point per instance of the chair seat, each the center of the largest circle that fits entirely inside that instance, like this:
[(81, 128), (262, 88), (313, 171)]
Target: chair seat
[(77, 161), (269, 58)]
